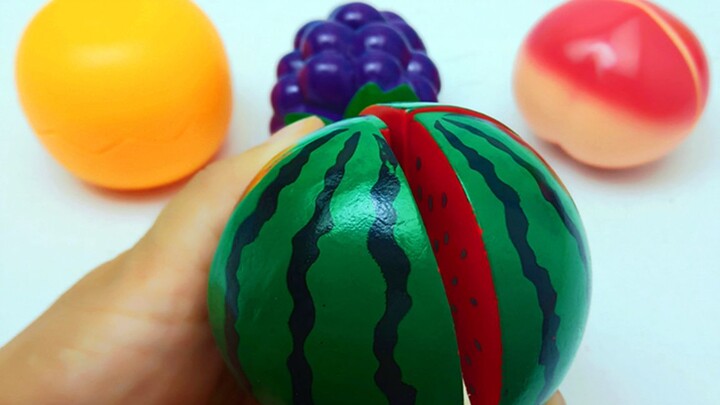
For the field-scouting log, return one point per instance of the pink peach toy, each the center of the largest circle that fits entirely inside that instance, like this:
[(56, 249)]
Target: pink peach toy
[(615, 83)]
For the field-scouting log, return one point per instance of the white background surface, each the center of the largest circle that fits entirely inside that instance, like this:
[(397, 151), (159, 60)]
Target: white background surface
[(654, 330)]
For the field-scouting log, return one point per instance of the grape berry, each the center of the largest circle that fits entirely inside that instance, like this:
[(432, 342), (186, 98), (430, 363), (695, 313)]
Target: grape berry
[(335, 58)]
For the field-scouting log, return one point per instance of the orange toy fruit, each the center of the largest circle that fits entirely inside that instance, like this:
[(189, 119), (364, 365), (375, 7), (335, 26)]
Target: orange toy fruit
[(125, 94)]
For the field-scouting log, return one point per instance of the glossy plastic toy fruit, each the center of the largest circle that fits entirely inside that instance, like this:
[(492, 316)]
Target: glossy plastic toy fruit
[(390, 257), (614, 83), (125, 94), (358, 57)]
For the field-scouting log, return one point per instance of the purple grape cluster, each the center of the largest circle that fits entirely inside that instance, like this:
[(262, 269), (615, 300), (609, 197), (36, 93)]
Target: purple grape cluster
[(334, 58)]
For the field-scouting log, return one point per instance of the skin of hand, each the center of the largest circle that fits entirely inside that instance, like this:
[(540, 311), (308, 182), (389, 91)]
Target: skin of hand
[(135, 330)]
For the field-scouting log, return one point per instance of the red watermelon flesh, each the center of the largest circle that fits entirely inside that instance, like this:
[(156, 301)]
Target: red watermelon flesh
[(458, 246)]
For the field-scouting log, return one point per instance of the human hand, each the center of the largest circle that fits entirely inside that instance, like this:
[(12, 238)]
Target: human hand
[(135, 330)]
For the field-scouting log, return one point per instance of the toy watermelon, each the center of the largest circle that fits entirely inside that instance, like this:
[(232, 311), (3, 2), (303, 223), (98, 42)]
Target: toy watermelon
[(359, 56), (415, 254)]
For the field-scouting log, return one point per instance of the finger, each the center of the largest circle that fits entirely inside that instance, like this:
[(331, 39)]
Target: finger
[(198, 214), (556, 399)]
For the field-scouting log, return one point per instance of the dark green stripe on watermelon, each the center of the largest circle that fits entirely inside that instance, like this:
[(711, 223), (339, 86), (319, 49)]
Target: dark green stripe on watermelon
[(250, 228), (305, 253), (395, 268), (517, 224), (548, 192)]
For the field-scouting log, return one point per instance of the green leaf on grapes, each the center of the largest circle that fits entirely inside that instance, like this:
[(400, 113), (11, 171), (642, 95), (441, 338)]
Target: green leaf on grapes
[(297, 116), (371, 93)]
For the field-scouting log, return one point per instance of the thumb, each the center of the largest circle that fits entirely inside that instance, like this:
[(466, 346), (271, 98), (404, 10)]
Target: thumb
[(190, 226)]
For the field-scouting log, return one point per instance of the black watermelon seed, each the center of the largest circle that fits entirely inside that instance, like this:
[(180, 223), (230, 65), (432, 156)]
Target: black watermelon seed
[(419, 193), (436, 245), (473, 302), (453, 309), (418, 163), (463, 254), (446, 238), (454, 281), (478, 346), (443, 200), (430, 202), (468, 360), (471, 389)]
